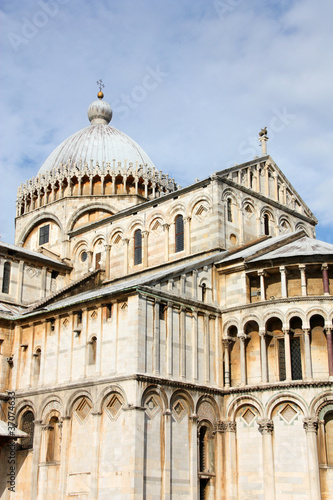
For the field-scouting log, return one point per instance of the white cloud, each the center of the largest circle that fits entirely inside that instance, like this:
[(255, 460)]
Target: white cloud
[(227, 76)]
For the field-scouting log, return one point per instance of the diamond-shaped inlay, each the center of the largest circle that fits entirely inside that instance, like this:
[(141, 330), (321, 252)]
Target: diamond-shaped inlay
[(124, 307), (288, 413), (179, 411), (248, 416), (94, 315), (152, 406), (83, 409), (113, 407), (65, 323), (117, 239), (201, 212), (157, 226)]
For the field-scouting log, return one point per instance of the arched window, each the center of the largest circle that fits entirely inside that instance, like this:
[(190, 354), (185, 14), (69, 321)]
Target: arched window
[(266, 224), (53, 441), (37, 359), (179, 233), (27, 425), (203, 292), (206, 458), (92, 351), (229, 209), (329, 438), (137, 247), (6, 277)]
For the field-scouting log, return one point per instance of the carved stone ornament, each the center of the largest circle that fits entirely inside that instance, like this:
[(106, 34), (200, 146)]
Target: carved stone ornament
[(310, 424), (230, 426), (266, 426)]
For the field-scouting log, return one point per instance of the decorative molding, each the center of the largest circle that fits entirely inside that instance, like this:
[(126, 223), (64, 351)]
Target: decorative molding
[(310, 424), (266, 426)]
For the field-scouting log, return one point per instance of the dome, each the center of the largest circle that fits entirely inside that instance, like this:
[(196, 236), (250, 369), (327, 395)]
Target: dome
[(98, 142)]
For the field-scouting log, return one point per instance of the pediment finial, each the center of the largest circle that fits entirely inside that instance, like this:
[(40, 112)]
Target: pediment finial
[(263, 138)]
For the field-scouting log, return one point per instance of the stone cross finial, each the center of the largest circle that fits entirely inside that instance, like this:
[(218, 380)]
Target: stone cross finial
[(263, 138), (100, 84)]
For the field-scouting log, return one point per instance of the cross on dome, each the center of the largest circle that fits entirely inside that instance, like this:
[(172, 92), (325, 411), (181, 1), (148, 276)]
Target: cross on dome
[(101, 85)]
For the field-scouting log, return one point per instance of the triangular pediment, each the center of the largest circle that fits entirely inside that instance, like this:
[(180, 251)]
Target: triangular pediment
[(262, 178)]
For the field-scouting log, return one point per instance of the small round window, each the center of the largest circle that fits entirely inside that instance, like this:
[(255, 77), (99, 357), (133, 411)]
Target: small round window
[(84, 256)]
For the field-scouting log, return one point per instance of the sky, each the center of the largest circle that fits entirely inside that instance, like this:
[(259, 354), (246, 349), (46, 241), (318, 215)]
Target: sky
[(192, 81)]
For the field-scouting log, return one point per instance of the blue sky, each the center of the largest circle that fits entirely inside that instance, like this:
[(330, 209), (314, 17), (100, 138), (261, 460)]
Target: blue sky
[(192, 82)]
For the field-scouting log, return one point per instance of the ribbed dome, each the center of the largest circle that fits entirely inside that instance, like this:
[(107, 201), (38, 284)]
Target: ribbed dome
[(100, 143), (97, 143)]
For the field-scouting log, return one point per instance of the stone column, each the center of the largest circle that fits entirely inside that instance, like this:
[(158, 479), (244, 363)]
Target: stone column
[(169, 329), (146, 187), (107, 260), (263, 357), (145, 248), (308, 361), (266, 428), (207, 349), (35, 458), (231, 462), (64, 454), (311, 428), (97, 417), (326, 283), (126, 241), (242, 339), (287, 354), (183, 285), (193, 457), (43, 283), (219, 431), (262, 284), (182, 353), (157, 360), (166, 241), (302, 268), (226, 344), (187, 224), (195, 343), (195, 283), (329, 350), (284, 291), (166, 473), (20, 281)]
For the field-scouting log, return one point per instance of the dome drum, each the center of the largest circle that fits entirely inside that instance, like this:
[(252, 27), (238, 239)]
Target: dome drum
[(106, 180)]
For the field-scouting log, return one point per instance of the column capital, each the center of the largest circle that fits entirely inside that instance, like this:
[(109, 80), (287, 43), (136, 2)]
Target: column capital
[(266, 426), (261, 273), (145, 232), (310, 424), (219, 427), (306, 331), (324, 267), (125, 240), (165, 226), (282, 269), (230, 426), (302, 267), (227, 342), (107, 247), (193, 417)]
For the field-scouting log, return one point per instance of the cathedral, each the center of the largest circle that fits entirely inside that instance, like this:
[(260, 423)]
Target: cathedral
[(159, 341)]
